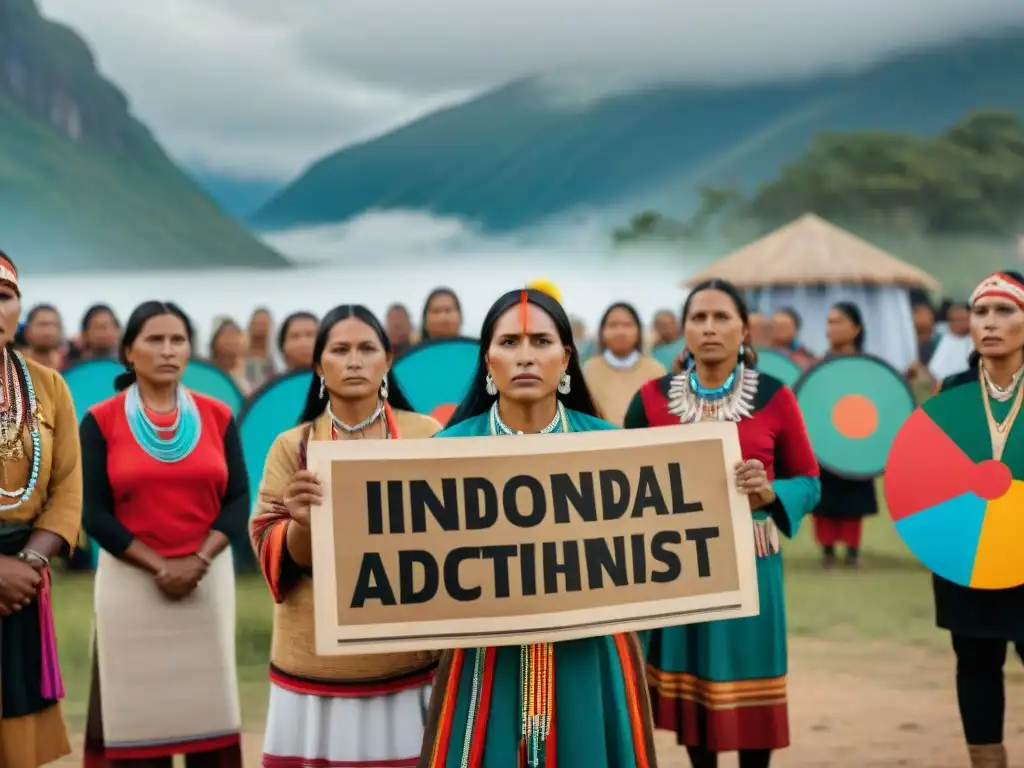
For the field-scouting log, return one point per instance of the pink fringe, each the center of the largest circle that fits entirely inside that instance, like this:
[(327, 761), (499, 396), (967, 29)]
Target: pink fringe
[(52, 681)]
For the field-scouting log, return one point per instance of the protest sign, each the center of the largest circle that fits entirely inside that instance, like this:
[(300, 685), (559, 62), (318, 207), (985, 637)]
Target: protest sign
[(466, 542)]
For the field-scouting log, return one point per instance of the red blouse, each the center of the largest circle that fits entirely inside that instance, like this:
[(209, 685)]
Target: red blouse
[(170, 507), (775, 434)]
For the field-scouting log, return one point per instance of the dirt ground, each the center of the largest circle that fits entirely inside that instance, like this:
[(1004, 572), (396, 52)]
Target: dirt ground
[(857, 706)]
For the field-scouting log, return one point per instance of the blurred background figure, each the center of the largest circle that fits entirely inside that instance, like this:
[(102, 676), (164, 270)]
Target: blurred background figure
[(442, 316), (399, 327), (259, 357), (295, 340)]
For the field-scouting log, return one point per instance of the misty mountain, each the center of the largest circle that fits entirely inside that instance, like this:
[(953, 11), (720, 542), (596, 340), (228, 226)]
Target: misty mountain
[(516, 156), (83, 184)]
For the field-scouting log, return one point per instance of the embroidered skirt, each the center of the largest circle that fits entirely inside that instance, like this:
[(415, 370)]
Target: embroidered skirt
[(722, 684), (164, 674), (343, 729)]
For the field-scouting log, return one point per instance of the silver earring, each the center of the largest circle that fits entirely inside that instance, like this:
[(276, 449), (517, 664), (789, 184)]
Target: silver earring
[(384, 388), (564, 383), (323, 386), (743, 350), (489, 385)]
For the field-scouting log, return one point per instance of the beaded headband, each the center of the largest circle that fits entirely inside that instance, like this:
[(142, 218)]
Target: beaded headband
[(9, 275), (1000, 285)]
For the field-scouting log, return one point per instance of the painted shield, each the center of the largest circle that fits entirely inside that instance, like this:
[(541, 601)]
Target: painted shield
[(667, 354), (853, 406), (959, 514), (274, 408), (778, 366), (92, 382), (435, 375)]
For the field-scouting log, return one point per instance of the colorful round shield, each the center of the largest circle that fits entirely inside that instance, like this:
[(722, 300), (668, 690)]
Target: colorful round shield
[(435, 375), (274, 408), (954, 507), (853, 406), (667, 354), (92, 382), (778, 366)]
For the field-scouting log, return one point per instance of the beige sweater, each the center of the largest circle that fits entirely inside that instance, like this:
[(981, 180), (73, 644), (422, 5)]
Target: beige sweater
[(613, 388)]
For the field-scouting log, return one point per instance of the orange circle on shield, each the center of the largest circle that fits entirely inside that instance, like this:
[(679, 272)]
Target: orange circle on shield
[(855, 417), (442, 413)]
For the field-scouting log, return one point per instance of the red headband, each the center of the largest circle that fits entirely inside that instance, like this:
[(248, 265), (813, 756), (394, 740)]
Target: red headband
[(1001, 285), (8, 274)]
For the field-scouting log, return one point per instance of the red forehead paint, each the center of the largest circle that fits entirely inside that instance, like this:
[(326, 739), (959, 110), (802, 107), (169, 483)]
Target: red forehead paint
[(524, 303)]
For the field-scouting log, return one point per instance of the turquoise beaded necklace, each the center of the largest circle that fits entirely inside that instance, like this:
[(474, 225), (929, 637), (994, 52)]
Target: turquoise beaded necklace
[(187, 427), (706, 393), (21, 495)]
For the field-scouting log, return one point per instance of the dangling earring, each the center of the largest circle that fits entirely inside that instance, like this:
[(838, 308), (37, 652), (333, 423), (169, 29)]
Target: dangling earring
[(564, 383), (489, 385), (743, 351), (384, 388), (323, 386)]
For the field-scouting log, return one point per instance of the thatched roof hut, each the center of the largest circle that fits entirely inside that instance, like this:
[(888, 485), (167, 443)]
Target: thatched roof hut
[(812, 251), (809, 265)]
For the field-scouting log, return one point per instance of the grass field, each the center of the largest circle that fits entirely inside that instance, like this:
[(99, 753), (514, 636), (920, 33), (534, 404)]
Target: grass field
[(888, 599)]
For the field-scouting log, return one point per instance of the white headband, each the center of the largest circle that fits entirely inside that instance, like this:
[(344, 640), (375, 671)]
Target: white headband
[(999, 285)]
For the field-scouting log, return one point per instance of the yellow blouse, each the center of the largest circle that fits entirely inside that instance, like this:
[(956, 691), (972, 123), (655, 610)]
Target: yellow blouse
[(56, 503)]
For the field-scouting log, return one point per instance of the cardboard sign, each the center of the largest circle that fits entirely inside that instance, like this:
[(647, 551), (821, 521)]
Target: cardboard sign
[(469, 542)]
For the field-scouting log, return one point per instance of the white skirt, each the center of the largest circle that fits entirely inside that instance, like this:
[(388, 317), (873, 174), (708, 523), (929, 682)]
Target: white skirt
[(345, 732)]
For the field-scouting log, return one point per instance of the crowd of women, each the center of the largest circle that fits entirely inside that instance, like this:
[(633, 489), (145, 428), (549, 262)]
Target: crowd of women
[(156, 476)]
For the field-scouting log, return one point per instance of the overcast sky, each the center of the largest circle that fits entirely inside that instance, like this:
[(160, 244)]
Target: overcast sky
[(259, 88)]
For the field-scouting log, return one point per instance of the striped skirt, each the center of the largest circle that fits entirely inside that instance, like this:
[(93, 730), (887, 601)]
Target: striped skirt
[(345, 725), (164, 672)]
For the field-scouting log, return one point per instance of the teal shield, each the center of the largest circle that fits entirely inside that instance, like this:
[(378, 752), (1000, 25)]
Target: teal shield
[(667, 354), (435, 375), (853, 406), (204, 377), (778, 366), (91, 382), (274, 408)]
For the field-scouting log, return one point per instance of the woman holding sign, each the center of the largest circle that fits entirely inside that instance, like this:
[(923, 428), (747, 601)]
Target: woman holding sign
[(40, 511), (721, 685), (334, 710), (580, 703), (165, 490)]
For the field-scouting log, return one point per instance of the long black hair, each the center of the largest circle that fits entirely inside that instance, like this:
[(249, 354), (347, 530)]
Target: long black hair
[(852, 313), (749, 354), (282, 332), (477, 401), (142, 314), (316, 403), (636, 319), (974, 360), (424, 333)]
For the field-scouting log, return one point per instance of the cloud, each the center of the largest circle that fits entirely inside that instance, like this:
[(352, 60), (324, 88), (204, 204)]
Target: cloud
[(261, 87)]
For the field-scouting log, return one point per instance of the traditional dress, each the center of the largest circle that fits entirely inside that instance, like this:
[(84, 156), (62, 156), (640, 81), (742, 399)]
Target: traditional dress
[(981, 622), (613, 381), (331, 711), (41, 477), (164, 672), (839, 517), (721, 685), (591, 693)]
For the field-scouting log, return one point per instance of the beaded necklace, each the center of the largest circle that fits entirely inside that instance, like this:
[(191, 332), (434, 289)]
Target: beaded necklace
[(732, 401), (340, 426), (187, 427), (536, 661), (22, 411)]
